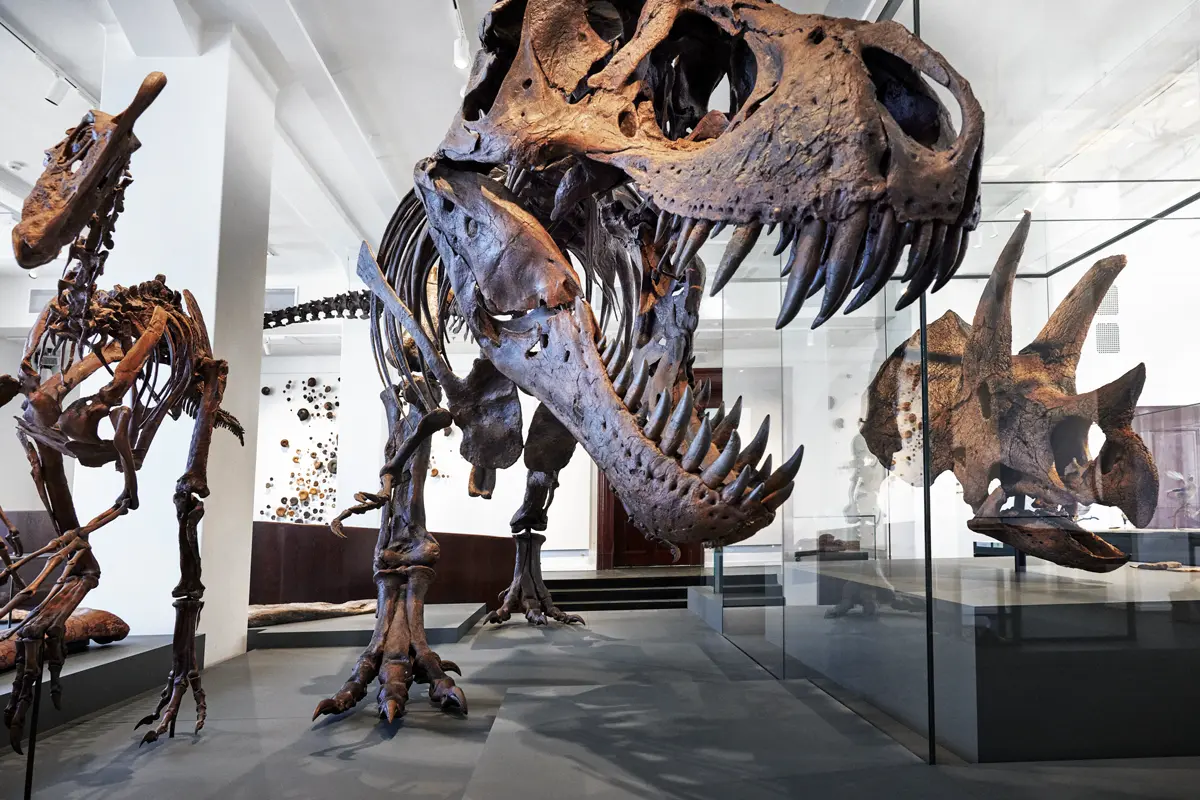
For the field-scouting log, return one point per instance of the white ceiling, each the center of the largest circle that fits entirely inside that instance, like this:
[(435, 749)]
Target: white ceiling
[(368, 87)]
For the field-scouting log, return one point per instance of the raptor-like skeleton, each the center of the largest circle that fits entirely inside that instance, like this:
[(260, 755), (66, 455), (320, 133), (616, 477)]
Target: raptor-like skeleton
[(153, 344), (586, 144)]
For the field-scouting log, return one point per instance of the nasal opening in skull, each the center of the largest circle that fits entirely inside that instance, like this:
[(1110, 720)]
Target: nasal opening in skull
[(692, 72), (911, 99)]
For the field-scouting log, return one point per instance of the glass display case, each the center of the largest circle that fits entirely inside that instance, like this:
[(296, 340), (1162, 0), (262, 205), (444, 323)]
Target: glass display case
[(1036, 597)]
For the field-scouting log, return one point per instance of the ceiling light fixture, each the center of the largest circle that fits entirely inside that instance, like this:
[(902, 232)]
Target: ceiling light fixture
[(462, 49), (58, 90), (33, 274)]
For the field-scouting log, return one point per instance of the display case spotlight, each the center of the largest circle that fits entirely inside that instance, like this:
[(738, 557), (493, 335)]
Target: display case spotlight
[(57, 91)]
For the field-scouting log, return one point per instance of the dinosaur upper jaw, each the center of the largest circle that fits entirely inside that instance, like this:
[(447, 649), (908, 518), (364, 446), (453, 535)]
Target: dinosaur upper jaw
[(679, 491)]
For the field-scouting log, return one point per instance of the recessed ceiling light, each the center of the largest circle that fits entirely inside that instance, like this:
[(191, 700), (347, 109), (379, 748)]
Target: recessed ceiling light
[(15, 165)]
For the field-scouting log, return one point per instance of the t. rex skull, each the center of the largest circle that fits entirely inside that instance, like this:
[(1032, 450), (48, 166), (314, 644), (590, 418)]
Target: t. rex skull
[(1016, 419), (586, 139)]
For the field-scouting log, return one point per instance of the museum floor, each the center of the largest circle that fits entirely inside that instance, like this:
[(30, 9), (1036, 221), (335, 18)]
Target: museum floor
[(648, 704)]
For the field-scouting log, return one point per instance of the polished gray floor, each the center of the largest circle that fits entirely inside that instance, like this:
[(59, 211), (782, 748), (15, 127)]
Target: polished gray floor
[(646, 704)]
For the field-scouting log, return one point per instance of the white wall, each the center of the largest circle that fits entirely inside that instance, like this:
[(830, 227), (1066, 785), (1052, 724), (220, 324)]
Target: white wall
[(277, 475)]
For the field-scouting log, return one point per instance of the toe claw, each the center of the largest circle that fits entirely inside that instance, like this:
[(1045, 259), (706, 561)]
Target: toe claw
[(454, 699), (326, 706), (146, 720), (392, 709), (450, 666), (150, 737)]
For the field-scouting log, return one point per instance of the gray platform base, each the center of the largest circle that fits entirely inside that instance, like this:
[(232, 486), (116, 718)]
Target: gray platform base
[(104, 675), (444, 624), (1048, 665), (707, 605)]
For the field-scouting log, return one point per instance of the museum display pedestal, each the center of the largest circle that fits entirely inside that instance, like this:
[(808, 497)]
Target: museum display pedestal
[(444, 624), (105, 675), (1048, 664)]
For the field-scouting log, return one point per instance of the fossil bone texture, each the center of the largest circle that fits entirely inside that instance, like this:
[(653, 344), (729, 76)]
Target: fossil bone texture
[(559, 223), (153, 344), (1017, 418), (84, 624)]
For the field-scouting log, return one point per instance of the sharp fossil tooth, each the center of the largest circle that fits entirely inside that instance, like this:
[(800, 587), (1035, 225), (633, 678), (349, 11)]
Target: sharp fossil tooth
[(953, 253), (663, 227), (678, 424), (755, 495), (720, 467), (617, 360), (786, 473), (717, 417), (696, 240), (765, 470), (840, 265), (728, 424), (757, 446), (621, 384), (703, 393), (658, 419), (734, 490), (774, 500), (926, 271), (785, 238), (879, 242), (771, 228), (606, 349), (681, 240), (802, 267), (720, 226), (739, 247), (911, 235), (698, 449), (633, 399), (918, 249), (885, 269)]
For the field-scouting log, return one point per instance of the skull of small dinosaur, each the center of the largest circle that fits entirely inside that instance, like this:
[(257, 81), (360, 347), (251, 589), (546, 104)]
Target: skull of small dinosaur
[(586, 133), (79, 174), (1017, 420)]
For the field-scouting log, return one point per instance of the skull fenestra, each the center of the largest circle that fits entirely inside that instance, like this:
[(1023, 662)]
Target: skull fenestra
[(1012, 428)]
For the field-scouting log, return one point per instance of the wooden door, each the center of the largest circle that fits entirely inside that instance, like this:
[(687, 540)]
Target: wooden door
[(619, 543)]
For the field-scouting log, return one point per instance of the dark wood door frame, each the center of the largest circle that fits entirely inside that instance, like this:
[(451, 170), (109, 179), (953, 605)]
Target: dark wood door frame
[(611, 519)]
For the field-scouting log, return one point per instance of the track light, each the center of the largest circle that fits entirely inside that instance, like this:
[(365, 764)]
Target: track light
[(57, 91), (462, 49)]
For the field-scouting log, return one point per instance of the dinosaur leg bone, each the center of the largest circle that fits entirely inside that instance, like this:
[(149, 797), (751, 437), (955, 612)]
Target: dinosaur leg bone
[(189, 592)]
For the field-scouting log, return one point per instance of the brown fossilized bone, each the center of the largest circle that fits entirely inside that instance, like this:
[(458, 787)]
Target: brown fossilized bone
[(1017, 419), (559, 223), (153, 345), (83, 625)]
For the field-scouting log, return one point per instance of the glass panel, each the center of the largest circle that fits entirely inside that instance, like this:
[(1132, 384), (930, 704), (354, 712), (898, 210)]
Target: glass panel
[(751, 360), (1044, 493)]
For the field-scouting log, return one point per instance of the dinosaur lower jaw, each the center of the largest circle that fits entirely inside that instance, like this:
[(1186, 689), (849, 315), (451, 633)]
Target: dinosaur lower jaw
[(683, 495), (1052, 536)]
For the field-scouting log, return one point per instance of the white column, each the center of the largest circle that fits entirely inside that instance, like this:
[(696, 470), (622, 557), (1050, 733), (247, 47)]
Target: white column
[(362, 426), (198, 213)]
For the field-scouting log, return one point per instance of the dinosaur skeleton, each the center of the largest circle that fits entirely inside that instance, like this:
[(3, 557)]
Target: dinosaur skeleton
[(1016, 420), (153, 343), (585, 139)]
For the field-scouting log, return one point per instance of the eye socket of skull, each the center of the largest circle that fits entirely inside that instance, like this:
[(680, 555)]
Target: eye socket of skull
[(902, 91)]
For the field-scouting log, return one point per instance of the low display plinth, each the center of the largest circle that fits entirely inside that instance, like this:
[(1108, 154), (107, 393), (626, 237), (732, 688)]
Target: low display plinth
[(444, 624), (101, 676), (1050, 664)]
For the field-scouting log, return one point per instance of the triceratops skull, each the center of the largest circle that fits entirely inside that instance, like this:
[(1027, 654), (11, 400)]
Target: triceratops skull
[(586, 130), (1016, 419)]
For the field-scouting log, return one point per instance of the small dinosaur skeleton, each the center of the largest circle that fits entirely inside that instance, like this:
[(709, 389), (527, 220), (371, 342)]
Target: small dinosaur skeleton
[(1017, 421), (585, 139), (153, 344)]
